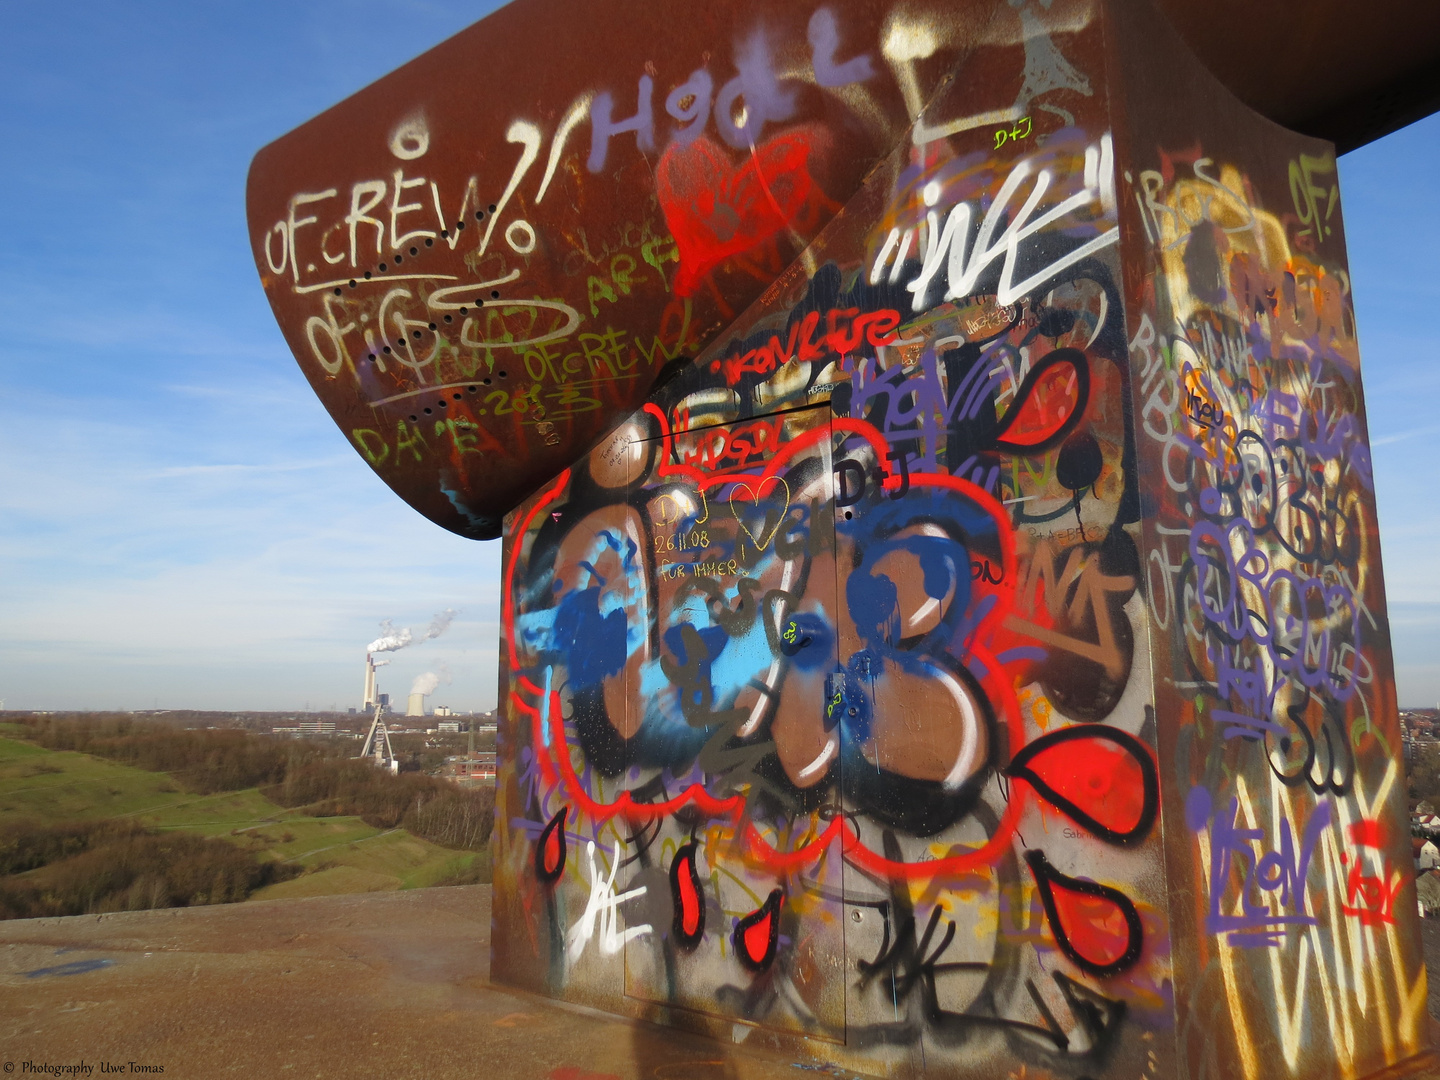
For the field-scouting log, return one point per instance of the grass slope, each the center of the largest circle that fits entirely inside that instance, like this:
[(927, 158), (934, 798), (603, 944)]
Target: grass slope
[(340, 854)]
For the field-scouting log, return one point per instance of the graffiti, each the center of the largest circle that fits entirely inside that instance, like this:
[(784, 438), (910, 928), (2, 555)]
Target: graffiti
[(965, 260), (1020, 130), (935, 492), (1104, 779), (550, 849), (1281, 871), (601, 912), (1370, 897), (741, 107), (689, 897), (1262, 586), (757, 934), (778, 628), (845, 331), (716, 210), (1086, 919), (1314, 203)]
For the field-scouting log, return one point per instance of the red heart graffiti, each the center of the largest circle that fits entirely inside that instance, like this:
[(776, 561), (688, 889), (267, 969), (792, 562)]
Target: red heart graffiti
[(716, 209)]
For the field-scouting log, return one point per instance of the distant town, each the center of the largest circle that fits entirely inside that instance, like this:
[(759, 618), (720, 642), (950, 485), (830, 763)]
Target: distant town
[(1420, 736), (446, 743)]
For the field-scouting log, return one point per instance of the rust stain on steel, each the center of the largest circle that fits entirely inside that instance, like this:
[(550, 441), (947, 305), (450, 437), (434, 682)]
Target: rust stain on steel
[(480, 277)]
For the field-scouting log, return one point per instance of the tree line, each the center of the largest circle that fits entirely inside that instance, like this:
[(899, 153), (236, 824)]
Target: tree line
[(309, 776), (73, 868), (101, 866)]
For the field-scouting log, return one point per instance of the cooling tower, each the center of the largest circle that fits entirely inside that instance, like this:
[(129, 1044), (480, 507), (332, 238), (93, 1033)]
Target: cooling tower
[(416, 706)]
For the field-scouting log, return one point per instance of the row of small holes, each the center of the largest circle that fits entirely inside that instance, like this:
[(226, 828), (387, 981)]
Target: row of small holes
[(430, 242), (416, 333), (479, 300), (443, 404)]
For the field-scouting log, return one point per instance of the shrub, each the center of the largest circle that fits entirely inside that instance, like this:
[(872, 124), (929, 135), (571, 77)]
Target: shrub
[(306, 775), (430, 808), (27, 845), (130, 871), (205, 762)]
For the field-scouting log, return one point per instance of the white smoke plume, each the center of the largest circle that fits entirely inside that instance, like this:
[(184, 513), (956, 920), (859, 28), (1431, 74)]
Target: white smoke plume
[(439, 624), (390, 639), (378, 663), (425, 684)]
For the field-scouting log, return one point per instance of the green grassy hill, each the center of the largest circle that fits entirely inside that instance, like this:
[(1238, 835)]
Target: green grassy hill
[(337, 854)]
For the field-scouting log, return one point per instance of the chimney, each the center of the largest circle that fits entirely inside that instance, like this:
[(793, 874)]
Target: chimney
[(369, 682)]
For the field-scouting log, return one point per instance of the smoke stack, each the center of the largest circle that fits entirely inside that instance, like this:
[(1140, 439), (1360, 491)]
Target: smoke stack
[(369, 682)]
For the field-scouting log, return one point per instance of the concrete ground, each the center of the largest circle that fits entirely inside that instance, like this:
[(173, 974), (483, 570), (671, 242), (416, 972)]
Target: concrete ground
[(384, 985)]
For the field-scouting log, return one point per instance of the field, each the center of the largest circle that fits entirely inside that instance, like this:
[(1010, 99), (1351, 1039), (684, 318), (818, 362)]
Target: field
[(338, 854)]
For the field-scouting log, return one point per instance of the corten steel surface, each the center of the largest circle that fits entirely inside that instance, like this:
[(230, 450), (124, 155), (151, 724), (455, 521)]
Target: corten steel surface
[(1332, 69), (975, 664), (478, 285)]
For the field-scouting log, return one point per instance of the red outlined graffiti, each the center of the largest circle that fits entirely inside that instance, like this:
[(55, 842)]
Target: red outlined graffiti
[(553, 750)]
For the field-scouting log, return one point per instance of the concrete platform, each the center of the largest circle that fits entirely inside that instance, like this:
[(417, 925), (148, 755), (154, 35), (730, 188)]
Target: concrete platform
[(384, 984), (389, 984)]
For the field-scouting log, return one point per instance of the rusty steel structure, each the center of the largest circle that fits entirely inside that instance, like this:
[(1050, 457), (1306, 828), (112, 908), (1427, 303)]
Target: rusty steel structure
[(341, 205), (942, 622)]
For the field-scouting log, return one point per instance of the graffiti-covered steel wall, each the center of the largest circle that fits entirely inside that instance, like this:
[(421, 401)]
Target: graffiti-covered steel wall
[(482, 261), (1292, 907), (970, 657), (846, 676)]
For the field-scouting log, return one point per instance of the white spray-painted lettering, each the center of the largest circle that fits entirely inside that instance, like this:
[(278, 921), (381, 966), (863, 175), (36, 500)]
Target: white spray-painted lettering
[(964, 262), (601, 914)]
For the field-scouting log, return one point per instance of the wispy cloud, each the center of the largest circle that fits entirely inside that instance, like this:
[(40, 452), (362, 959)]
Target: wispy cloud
[(238, 467), (1386, 440)]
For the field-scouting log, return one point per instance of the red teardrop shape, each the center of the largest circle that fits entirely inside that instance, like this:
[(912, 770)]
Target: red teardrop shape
[(1048, 402), (689, 904), (1096, 926), (550, 849), (757, 934), (757, 939), (1103, 778), (688, 896)]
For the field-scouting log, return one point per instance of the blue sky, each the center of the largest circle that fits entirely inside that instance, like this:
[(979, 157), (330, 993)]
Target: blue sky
[(181, 524), (1392, 226)]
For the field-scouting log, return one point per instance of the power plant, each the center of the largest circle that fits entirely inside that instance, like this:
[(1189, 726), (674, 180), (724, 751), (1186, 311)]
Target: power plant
[(377, 742), (369, 701), (392, 640), (423, 686)]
